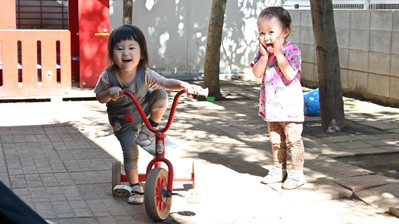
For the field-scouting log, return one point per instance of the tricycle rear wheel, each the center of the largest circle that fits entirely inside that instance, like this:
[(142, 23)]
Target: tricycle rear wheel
[(197, 174), (116, 175)]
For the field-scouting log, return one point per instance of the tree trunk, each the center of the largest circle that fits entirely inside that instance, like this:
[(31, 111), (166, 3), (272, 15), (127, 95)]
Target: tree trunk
[(330, 92), (127, 11), (213, 43)]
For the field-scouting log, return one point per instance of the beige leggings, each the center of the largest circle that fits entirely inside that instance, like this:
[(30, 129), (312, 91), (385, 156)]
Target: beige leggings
[(283, 135)]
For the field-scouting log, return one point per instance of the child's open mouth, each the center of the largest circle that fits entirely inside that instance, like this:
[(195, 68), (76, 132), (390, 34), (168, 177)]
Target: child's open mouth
[(126, 60), (269, 47)]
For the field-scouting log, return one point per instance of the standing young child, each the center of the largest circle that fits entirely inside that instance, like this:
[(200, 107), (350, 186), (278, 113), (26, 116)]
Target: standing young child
[(128, 56), (281, 103)]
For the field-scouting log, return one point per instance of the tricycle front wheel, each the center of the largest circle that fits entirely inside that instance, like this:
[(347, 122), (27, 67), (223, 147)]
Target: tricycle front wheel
[(156, 204)]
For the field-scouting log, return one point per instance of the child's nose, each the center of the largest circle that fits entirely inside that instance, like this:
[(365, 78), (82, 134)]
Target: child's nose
[(262, 38)]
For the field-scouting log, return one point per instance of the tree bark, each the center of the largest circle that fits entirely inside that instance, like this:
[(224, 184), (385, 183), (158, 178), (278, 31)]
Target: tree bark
[(127, 11), (213, 44), (330, 92)]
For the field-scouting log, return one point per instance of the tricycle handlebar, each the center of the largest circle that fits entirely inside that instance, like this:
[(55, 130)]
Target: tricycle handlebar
[(203, 92)]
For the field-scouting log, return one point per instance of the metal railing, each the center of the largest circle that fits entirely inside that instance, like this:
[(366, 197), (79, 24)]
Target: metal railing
[(346, 4)]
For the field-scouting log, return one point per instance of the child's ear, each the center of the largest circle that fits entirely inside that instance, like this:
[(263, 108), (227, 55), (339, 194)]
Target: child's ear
[(286, 32)]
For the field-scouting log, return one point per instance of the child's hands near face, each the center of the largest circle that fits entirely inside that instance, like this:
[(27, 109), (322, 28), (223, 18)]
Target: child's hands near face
[(263, 50), (278, 45), (114, 93)]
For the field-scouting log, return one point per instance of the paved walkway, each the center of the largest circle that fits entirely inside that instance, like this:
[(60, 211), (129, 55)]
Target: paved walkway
[(57, 158)]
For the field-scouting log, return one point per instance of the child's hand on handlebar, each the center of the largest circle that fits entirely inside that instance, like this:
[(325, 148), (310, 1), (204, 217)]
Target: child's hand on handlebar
[(114, 93), (194, 90)]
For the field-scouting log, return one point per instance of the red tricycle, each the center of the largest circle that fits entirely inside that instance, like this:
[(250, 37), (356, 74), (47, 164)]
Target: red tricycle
[(159, 181)]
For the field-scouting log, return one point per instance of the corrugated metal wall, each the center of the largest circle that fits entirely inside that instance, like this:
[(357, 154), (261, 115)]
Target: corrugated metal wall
[(42, 14)]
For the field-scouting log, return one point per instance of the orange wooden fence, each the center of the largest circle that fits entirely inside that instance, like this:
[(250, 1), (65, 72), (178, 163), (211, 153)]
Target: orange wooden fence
[(35, 63)]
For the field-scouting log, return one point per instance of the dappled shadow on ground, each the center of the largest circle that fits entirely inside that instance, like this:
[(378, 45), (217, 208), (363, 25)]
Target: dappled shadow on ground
[(228, 133), (313, 128), (386, 164), (231, 134)]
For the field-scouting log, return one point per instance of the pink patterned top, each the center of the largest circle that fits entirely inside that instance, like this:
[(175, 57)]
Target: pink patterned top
[(281, 99)]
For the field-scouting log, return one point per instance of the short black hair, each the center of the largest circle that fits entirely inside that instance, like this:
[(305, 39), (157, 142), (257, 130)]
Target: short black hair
[(128, 32), (277, 12)]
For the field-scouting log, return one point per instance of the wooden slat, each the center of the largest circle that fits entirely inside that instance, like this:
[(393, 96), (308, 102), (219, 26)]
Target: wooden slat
[(30, 87)]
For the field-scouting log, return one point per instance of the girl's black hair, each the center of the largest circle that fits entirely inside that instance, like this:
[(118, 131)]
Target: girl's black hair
[(128, 32), (278, 12)]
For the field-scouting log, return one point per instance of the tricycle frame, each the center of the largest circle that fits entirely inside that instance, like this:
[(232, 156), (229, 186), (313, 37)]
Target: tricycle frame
[(160, 145)]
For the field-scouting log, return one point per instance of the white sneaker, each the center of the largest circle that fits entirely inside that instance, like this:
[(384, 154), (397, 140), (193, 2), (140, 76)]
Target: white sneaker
[(145, 136), (150, 148), (122, 191), (170, 143), (136, 195), (275, 175), (294, 180)]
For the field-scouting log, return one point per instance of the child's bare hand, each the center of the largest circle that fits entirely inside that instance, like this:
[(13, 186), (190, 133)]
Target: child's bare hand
[(194, 89), (114, 93), (263, 50)]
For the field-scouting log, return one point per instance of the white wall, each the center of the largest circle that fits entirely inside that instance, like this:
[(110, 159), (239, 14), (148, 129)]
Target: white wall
[(176, 33), (116, 13)]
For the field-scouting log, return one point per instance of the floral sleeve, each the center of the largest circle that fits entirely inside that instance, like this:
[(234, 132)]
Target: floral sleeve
[(293, 55), (256, 59)]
